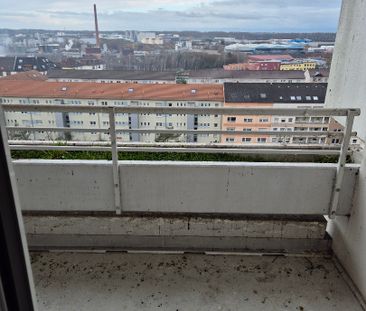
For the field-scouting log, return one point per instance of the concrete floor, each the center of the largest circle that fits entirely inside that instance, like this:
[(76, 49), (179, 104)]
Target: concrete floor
[(120, 281)]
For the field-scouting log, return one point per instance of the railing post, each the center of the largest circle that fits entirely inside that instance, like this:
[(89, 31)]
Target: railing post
[(341, 164), (116, 184)]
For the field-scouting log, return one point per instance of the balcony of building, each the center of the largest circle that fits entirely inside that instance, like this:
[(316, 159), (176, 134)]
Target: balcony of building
[(283, 233)]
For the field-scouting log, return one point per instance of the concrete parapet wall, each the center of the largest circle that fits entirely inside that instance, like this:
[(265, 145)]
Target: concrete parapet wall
[(182, 187)]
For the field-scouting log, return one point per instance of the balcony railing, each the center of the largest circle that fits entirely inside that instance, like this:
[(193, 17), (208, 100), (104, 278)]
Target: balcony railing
[(115, 146)]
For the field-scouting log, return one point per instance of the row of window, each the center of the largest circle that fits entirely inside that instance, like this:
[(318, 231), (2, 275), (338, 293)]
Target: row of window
[(247, 120), (246, 140), (308, 98), (30, 122)]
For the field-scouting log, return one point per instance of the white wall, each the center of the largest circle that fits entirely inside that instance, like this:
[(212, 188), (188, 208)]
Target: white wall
[(347, 88), (347, 80)]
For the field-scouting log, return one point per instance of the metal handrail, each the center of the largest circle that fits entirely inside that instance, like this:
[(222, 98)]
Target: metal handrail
[(180, 131), (111, 111), (316, 112)]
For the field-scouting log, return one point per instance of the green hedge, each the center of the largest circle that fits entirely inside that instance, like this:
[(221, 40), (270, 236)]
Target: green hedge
[(155, 156)]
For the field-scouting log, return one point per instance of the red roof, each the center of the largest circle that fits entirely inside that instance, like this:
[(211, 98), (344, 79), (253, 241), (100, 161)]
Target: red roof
[(91, 90)]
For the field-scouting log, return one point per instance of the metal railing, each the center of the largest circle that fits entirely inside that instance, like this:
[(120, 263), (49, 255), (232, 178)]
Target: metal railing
[(115, 146)]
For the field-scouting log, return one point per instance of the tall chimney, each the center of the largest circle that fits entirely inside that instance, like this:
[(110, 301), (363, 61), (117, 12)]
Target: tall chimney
[(96, 26)]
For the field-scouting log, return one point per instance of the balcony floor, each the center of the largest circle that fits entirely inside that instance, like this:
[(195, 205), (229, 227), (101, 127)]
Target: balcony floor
[(121, 281)]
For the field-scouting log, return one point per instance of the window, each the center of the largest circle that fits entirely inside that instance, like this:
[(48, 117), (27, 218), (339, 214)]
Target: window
[(292, 97), (247, 129), (315, 97), (230, 140), (248, 120), (246, 140), (231, 129), (298, 97), (261, 140), (263, 120), (263, 95), (231, 119), (308, 97)]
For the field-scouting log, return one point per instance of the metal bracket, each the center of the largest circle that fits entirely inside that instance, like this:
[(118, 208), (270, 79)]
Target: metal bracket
[(341, 164)]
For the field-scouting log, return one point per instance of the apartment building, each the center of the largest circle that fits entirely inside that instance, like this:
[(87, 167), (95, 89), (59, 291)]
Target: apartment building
[(298, 65), (111, 94), (276, 95)]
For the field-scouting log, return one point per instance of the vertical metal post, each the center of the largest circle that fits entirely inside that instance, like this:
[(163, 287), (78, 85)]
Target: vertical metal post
[(341, 164), (112, 133)]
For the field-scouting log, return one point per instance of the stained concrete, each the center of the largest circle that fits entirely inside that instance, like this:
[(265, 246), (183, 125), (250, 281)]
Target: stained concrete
[(177, 233), (120, 281)]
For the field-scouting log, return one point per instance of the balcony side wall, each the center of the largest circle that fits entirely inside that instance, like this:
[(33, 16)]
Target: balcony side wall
[(346, 88)]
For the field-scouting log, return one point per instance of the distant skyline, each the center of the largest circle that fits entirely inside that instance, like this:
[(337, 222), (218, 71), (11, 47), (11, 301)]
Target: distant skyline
[(174, 15)]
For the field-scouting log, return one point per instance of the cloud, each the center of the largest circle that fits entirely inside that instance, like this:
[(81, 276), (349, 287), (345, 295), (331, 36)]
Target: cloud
[(225, 15)]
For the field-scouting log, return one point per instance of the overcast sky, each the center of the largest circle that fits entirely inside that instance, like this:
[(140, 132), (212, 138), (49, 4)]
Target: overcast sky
[(202, 15)]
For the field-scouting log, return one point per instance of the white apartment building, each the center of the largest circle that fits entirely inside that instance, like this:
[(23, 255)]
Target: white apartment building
[(95, 94)]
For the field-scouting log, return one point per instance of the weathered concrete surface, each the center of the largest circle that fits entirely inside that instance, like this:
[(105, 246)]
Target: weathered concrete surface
[(113, 281), (175, 226), (182, 187), (176, 233)]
